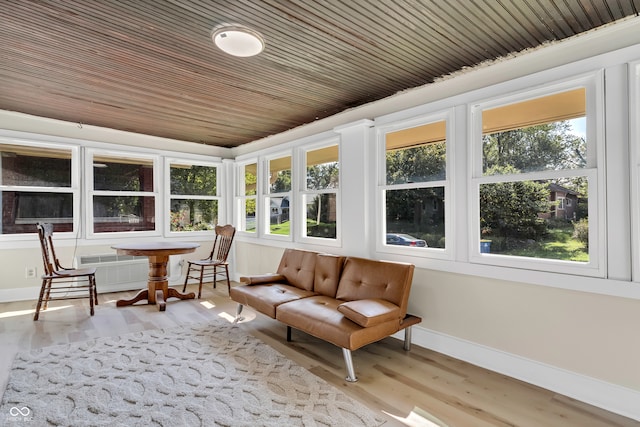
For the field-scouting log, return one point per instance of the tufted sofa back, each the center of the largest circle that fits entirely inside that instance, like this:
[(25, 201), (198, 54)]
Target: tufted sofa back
[(370, 279), (298, 267), (328, 269)]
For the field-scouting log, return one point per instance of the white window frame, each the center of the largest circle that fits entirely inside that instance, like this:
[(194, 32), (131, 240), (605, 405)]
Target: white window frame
[(304, 192), (267, 195), (74, 189), (241, 198), (634, 166), (594, 172), (168, 196), (381, 131), (90, 193)]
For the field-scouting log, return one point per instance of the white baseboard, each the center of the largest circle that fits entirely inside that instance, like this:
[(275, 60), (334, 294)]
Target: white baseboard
[(611, 397)]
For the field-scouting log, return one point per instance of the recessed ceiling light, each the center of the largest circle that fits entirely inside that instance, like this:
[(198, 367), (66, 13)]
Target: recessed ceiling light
[(237, 40)]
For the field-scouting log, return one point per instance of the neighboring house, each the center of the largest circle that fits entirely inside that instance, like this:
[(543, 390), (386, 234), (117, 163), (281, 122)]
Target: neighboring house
[(279, 209), (564, 203)]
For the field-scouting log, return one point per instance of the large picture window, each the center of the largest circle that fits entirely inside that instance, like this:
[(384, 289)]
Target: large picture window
[(415, 165), (36, 185), (535, 172), (123, 193), (194, 199), (320, 195)]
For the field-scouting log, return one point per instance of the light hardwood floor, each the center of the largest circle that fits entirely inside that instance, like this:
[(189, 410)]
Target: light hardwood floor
[(391, 380)]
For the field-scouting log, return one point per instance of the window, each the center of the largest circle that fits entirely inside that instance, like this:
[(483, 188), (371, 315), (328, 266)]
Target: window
[(122, 193), (247, 197), (320, 195), (414, 194), (279, 196), (532, 156), (37, 184), (194, 200)]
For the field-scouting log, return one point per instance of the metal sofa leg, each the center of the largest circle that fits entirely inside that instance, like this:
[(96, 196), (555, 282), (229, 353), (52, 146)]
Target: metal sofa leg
[(351, 374), (238, 311), (407, 338)]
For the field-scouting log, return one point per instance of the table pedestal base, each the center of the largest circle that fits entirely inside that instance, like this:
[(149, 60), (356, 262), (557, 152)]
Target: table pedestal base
[(158, 290)]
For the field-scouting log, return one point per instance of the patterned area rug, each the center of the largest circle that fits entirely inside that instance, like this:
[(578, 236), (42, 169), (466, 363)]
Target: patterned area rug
[(195, 375)]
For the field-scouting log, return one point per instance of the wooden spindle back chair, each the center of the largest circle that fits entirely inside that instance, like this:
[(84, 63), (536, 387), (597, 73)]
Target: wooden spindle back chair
[(60, 283), (216, 263)]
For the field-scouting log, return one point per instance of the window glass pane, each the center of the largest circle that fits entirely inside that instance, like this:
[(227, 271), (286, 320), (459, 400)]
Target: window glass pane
[(321, 215), (279, 215), (193, 180), (417, 154), (35, 166), (280, 175), (193, 215), (118, 174), (323, 168), (535, 219), (546, 133), (248, 215), (415, 217), (22, 210), (123, 213), (250, 179)]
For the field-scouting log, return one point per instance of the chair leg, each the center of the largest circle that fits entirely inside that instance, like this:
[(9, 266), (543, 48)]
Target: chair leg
[(201, 278), (351, 373), (91, 296), (186, 278), (92, 280), (42, 288), (47, 294), (226, 268)]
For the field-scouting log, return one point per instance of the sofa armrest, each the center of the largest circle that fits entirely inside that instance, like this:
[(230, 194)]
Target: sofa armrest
[(369, 312), (263, 278)]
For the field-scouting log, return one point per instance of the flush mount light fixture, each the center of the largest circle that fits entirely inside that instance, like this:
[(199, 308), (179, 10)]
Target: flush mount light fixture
[(237, 40)]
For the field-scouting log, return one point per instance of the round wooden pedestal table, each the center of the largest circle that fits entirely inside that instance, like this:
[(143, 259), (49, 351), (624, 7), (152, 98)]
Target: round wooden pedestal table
[(158, 290)]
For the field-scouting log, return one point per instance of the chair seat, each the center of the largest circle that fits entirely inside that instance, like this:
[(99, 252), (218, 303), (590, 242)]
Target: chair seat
[(74, 272), (207, 262)]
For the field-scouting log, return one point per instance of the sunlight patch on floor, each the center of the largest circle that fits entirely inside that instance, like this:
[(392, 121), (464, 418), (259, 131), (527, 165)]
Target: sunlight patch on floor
[(207, 305), (419, 418), (30, 311)]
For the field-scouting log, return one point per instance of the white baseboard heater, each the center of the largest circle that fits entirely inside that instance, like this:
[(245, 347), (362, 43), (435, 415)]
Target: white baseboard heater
[(125, 272)]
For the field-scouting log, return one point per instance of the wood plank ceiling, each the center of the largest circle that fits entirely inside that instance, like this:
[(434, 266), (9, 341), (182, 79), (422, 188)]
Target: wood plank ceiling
[(149, 66)]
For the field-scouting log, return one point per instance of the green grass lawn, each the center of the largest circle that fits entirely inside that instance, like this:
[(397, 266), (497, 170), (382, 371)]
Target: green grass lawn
[(559, 244), (282, 229)]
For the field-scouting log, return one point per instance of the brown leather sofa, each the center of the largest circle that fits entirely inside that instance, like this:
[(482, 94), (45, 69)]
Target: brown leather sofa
[(347, 301)]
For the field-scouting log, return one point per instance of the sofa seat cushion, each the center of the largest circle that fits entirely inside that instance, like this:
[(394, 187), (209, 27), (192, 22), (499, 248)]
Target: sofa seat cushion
[(265, 298), (319, 316), (369, 312)]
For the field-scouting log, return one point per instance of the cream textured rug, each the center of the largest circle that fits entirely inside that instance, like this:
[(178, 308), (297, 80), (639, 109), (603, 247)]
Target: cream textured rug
[(212, 374)]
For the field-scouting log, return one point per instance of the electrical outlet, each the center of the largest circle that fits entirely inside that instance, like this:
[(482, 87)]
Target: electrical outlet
[(30, 272)]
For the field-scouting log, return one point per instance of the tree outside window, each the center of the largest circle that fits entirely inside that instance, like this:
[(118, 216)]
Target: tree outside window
[(194, 197), (528, 217), (415, 160), (320, 195)]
